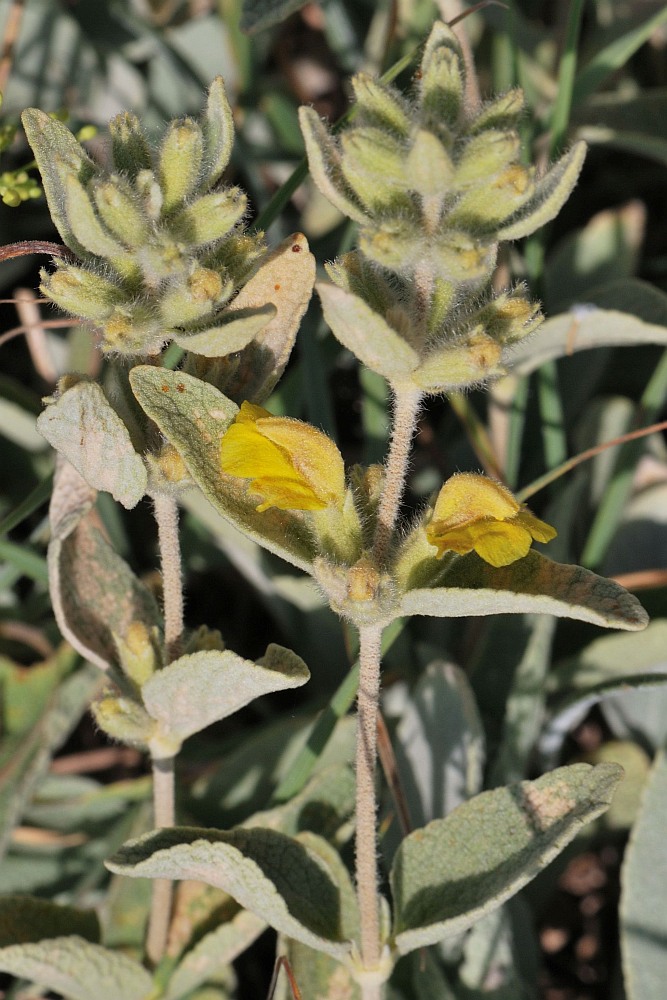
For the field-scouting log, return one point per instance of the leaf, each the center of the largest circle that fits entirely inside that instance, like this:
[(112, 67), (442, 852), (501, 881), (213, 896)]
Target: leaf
[(193, 416), (456, 870), (26, 919), (95, 594), (213, 952), (551, 193), (201, 688), (604, 251), (534, 585), (317, 975), (260, 14), (441, 711), (78, 969), (235, 332), (366, 333), (58, 156), (281, 879), (611, 663), (83, 427), (642, 910), (26, 755), (284, 279), (613, 56), (324, 165), (218, 128), (582, 329)]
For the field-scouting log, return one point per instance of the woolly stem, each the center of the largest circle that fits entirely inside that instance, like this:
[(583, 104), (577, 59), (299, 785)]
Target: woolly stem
[(406, 407), (366, 804), (166, 517)]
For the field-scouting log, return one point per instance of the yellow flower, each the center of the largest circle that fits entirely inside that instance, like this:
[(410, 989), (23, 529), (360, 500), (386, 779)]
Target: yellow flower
[(290, 464), (473, 512)]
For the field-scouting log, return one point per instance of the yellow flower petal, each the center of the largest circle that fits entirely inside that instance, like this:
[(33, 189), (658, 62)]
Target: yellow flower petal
[(290, 464), (502, 543), (476, 513), (540, 530), (468, 497)]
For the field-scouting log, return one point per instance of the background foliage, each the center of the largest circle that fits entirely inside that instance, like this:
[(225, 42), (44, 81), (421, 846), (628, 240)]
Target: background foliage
[(545, 694)]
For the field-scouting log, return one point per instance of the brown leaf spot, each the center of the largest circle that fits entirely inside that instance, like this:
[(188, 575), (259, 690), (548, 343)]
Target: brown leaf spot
[(547, 805)]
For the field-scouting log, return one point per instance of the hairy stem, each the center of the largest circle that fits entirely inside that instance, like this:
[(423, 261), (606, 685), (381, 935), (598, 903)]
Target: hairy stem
[(366, 805), (406, 407), (166, 516), (163, 888)]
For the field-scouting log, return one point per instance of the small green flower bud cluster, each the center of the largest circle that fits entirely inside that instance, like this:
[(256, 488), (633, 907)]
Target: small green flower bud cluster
[(434, 184), (160, 243)]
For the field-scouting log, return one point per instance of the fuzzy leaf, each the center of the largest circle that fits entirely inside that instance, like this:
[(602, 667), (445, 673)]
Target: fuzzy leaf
[(282, 880), (201, 688), (193, 416), (94, 592), (608, 664), (58, 156), (551, 193), (586, 327), (642, 911), (25, 919), (235, 332), (284, 279), (89, 230), (455, 870), (213, 952), (83, 427), (533, 584), (324, 164), (218, 128), (77, 969), (366, 333)]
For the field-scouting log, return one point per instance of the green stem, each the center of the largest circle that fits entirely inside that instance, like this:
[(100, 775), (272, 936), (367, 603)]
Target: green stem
[(366, 804), (406, 407)]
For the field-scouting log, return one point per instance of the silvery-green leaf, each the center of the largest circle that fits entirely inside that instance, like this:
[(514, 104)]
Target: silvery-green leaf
[(58, 156), (233, 333), (324, 163), (77, 969), (218, 128), (455, 870), (83, 427), (551, 193), (215, 950), (533, 584), (583, 328), (95, 594), (279, 878), (366, 333), (199, 689), (642, 909)]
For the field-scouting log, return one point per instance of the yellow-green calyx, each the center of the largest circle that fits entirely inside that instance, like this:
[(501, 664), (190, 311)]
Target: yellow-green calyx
[(160, 244), (473, 513), (434, 183), (290, 465)]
